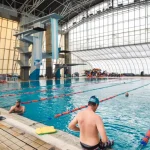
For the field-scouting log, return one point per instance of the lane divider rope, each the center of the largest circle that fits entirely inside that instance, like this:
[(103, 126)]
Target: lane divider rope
[(69, 94), (81, 107), (53, 89), (85, 106)]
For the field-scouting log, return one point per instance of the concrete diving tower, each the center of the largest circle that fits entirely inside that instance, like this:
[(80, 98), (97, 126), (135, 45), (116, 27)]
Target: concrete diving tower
[(34, 36)]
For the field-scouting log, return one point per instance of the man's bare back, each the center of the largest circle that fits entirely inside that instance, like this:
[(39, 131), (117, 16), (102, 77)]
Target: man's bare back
[(91, 127), (88, 122)]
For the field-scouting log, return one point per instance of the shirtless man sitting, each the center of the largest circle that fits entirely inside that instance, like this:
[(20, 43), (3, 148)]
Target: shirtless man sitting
[(17, 108), (90, 126)]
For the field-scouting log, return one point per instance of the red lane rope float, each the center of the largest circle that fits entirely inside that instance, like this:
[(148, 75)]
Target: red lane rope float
[(53, 89), (145, 139), (69, 94), (81, 107), (108, 98)]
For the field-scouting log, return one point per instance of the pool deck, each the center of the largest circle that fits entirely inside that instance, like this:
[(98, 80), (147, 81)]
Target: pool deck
[(18, 133)]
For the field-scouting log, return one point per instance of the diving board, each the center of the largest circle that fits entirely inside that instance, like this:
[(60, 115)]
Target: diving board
[(43, 20), (67, 65), (30, 31)]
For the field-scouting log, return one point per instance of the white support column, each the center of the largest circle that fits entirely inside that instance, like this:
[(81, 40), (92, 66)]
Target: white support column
[(36, 56)]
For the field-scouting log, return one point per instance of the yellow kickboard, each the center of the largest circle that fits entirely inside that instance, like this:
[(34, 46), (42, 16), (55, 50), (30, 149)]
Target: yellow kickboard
[(45, 130)]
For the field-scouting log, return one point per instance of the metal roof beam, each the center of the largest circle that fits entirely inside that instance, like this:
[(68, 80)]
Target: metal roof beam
[(22, 8), (36, 4), (47, 7)]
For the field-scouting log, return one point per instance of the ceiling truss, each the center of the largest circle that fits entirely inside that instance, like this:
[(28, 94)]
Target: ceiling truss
[(67, 8)]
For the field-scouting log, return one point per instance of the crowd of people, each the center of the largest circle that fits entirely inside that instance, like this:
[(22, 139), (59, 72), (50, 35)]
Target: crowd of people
[(99, 73), (96, 73)]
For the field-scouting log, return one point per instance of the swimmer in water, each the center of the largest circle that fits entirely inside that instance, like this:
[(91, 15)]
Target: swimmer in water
[(127, 94), (17, 108)]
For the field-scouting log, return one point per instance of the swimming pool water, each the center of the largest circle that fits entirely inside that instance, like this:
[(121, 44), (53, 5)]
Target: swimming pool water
[(126, 119)]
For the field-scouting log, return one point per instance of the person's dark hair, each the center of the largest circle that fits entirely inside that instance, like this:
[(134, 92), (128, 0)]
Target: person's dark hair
[(91, 104)]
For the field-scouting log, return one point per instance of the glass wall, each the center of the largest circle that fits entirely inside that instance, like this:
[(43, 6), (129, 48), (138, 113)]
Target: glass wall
[(7, 44), (79, 68), (110, 35)]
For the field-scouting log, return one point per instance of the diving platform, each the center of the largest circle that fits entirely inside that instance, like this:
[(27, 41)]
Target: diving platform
[(26, 39), (21, 64), (23, 51), (66, 65), (43, 20), (49, 55), (64, 52), (35, 26), (30, 31)]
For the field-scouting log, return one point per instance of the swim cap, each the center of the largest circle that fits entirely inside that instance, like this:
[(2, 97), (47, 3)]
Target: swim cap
[(18, 100), (94, 99)]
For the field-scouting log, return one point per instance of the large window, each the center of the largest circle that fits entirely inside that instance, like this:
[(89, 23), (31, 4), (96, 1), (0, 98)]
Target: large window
[(116, 39), (7, 44), (79, 68)]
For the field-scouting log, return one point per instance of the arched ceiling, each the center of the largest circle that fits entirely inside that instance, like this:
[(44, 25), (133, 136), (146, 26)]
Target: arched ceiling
[(121, 59)]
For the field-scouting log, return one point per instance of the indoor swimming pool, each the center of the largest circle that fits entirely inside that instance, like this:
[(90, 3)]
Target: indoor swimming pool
[(125, 118)]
